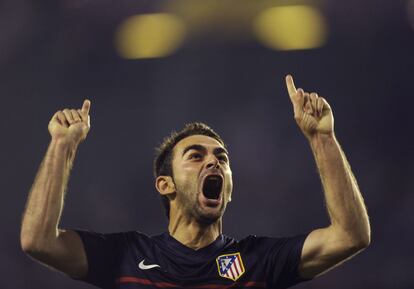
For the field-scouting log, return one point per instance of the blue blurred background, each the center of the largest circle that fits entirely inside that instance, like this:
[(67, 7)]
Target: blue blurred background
[(150, 66)]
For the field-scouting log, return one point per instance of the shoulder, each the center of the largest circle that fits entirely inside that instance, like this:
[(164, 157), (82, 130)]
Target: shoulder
[(105, 236), (265, 243), (111, 239)]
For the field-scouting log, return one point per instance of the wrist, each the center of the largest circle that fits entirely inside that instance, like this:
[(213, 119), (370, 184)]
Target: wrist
[(321, 139), (64, 144)]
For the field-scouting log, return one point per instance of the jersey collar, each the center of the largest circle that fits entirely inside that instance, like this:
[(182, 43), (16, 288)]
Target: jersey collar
[(217, 244)]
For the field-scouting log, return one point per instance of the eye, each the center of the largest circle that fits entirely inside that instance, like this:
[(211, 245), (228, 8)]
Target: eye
[(223, 158), (195, 156)]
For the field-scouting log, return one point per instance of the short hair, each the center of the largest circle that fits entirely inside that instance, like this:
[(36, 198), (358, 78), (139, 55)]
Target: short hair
[(164, 152)]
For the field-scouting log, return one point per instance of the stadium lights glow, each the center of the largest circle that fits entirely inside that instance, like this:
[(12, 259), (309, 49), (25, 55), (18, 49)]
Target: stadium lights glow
[(291, 28), (149, 36), (410, 13)]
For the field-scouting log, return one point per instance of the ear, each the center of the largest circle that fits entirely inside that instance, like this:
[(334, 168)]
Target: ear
[(165, 185)]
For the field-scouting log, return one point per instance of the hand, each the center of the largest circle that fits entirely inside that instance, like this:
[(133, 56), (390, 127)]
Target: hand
[(312, 113), (71, 125)]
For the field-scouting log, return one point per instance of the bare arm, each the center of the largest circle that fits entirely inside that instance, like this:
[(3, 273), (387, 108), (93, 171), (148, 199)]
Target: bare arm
[(40, 236), (349, 231)]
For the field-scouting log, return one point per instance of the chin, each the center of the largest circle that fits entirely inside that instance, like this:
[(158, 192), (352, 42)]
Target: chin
[(208, 218)]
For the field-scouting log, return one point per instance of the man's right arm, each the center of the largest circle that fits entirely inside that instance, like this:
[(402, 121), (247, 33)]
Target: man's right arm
[(40, 236)]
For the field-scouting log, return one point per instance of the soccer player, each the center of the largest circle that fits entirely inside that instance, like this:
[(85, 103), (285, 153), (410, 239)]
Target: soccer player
[(193, 176)]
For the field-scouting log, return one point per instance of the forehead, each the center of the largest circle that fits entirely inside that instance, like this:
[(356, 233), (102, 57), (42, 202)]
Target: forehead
[(203, 140)]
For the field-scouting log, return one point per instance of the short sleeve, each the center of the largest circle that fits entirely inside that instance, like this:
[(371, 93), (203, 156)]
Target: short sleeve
[(282, 259), (103, 252)]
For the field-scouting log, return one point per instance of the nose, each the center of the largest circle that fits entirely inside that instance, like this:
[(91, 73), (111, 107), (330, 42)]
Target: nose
[(212, 163)]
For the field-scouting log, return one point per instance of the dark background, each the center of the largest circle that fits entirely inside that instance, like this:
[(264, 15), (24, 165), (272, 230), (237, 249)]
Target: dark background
[(53, 54)]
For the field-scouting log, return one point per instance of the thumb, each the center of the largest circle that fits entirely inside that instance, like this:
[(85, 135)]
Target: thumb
[(86, 106)]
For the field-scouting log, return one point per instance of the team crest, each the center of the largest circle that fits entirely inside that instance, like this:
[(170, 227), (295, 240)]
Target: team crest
[(230, 266)]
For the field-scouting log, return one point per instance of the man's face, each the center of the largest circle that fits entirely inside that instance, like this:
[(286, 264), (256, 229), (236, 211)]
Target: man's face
[(202, 177)]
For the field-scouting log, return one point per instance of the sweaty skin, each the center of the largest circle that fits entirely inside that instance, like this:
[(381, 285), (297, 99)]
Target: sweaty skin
[(349, 231), (40, 236), (195, 221)]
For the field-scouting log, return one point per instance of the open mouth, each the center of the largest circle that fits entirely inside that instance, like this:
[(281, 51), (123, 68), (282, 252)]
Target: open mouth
[(212, 186)]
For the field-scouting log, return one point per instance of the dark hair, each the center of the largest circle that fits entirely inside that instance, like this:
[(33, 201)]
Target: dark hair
[(164, 152)]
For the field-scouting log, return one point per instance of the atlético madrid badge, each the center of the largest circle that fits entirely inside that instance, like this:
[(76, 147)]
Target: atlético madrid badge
[(230, 266)]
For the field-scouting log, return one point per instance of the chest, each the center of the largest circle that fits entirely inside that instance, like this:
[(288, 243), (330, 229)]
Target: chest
[(159, 268)]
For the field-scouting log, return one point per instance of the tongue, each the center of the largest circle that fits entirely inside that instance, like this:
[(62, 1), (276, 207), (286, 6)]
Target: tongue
[(212, 187)]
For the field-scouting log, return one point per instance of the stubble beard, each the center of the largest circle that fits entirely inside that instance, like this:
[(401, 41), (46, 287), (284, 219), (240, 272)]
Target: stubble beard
[(188, 197), (207, 219)]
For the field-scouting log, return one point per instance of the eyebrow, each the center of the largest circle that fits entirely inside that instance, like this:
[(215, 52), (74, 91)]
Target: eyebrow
[(198, 147)]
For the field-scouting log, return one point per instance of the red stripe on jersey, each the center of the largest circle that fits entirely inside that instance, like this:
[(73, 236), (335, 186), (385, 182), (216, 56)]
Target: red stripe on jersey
[(128, 279), (237, 284)]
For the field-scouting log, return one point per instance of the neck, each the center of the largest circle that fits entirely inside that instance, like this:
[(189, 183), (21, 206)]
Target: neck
[(191, 233)]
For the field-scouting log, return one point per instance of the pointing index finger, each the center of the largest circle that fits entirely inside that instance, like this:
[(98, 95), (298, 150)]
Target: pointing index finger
[(86, 106), (290, 85)]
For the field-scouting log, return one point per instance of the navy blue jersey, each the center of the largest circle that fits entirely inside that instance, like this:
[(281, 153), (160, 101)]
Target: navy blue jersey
[(135, 260)]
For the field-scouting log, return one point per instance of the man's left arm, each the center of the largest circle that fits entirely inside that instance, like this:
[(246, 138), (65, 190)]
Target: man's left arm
[(349, 231)]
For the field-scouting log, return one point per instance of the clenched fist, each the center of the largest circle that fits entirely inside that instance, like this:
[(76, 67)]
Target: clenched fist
[(313, 113), (71, 125)]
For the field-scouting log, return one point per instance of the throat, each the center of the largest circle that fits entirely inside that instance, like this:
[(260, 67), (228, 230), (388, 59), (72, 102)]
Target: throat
[(193, 235)]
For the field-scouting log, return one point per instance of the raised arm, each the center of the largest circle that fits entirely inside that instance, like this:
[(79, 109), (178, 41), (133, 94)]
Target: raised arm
[(349, 231), (40, 236)]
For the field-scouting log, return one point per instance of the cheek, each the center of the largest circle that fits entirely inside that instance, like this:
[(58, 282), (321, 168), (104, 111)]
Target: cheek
[(180, 170), (229, 176), (230, 187), (229, 183), (185, 176), (188, 172)]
